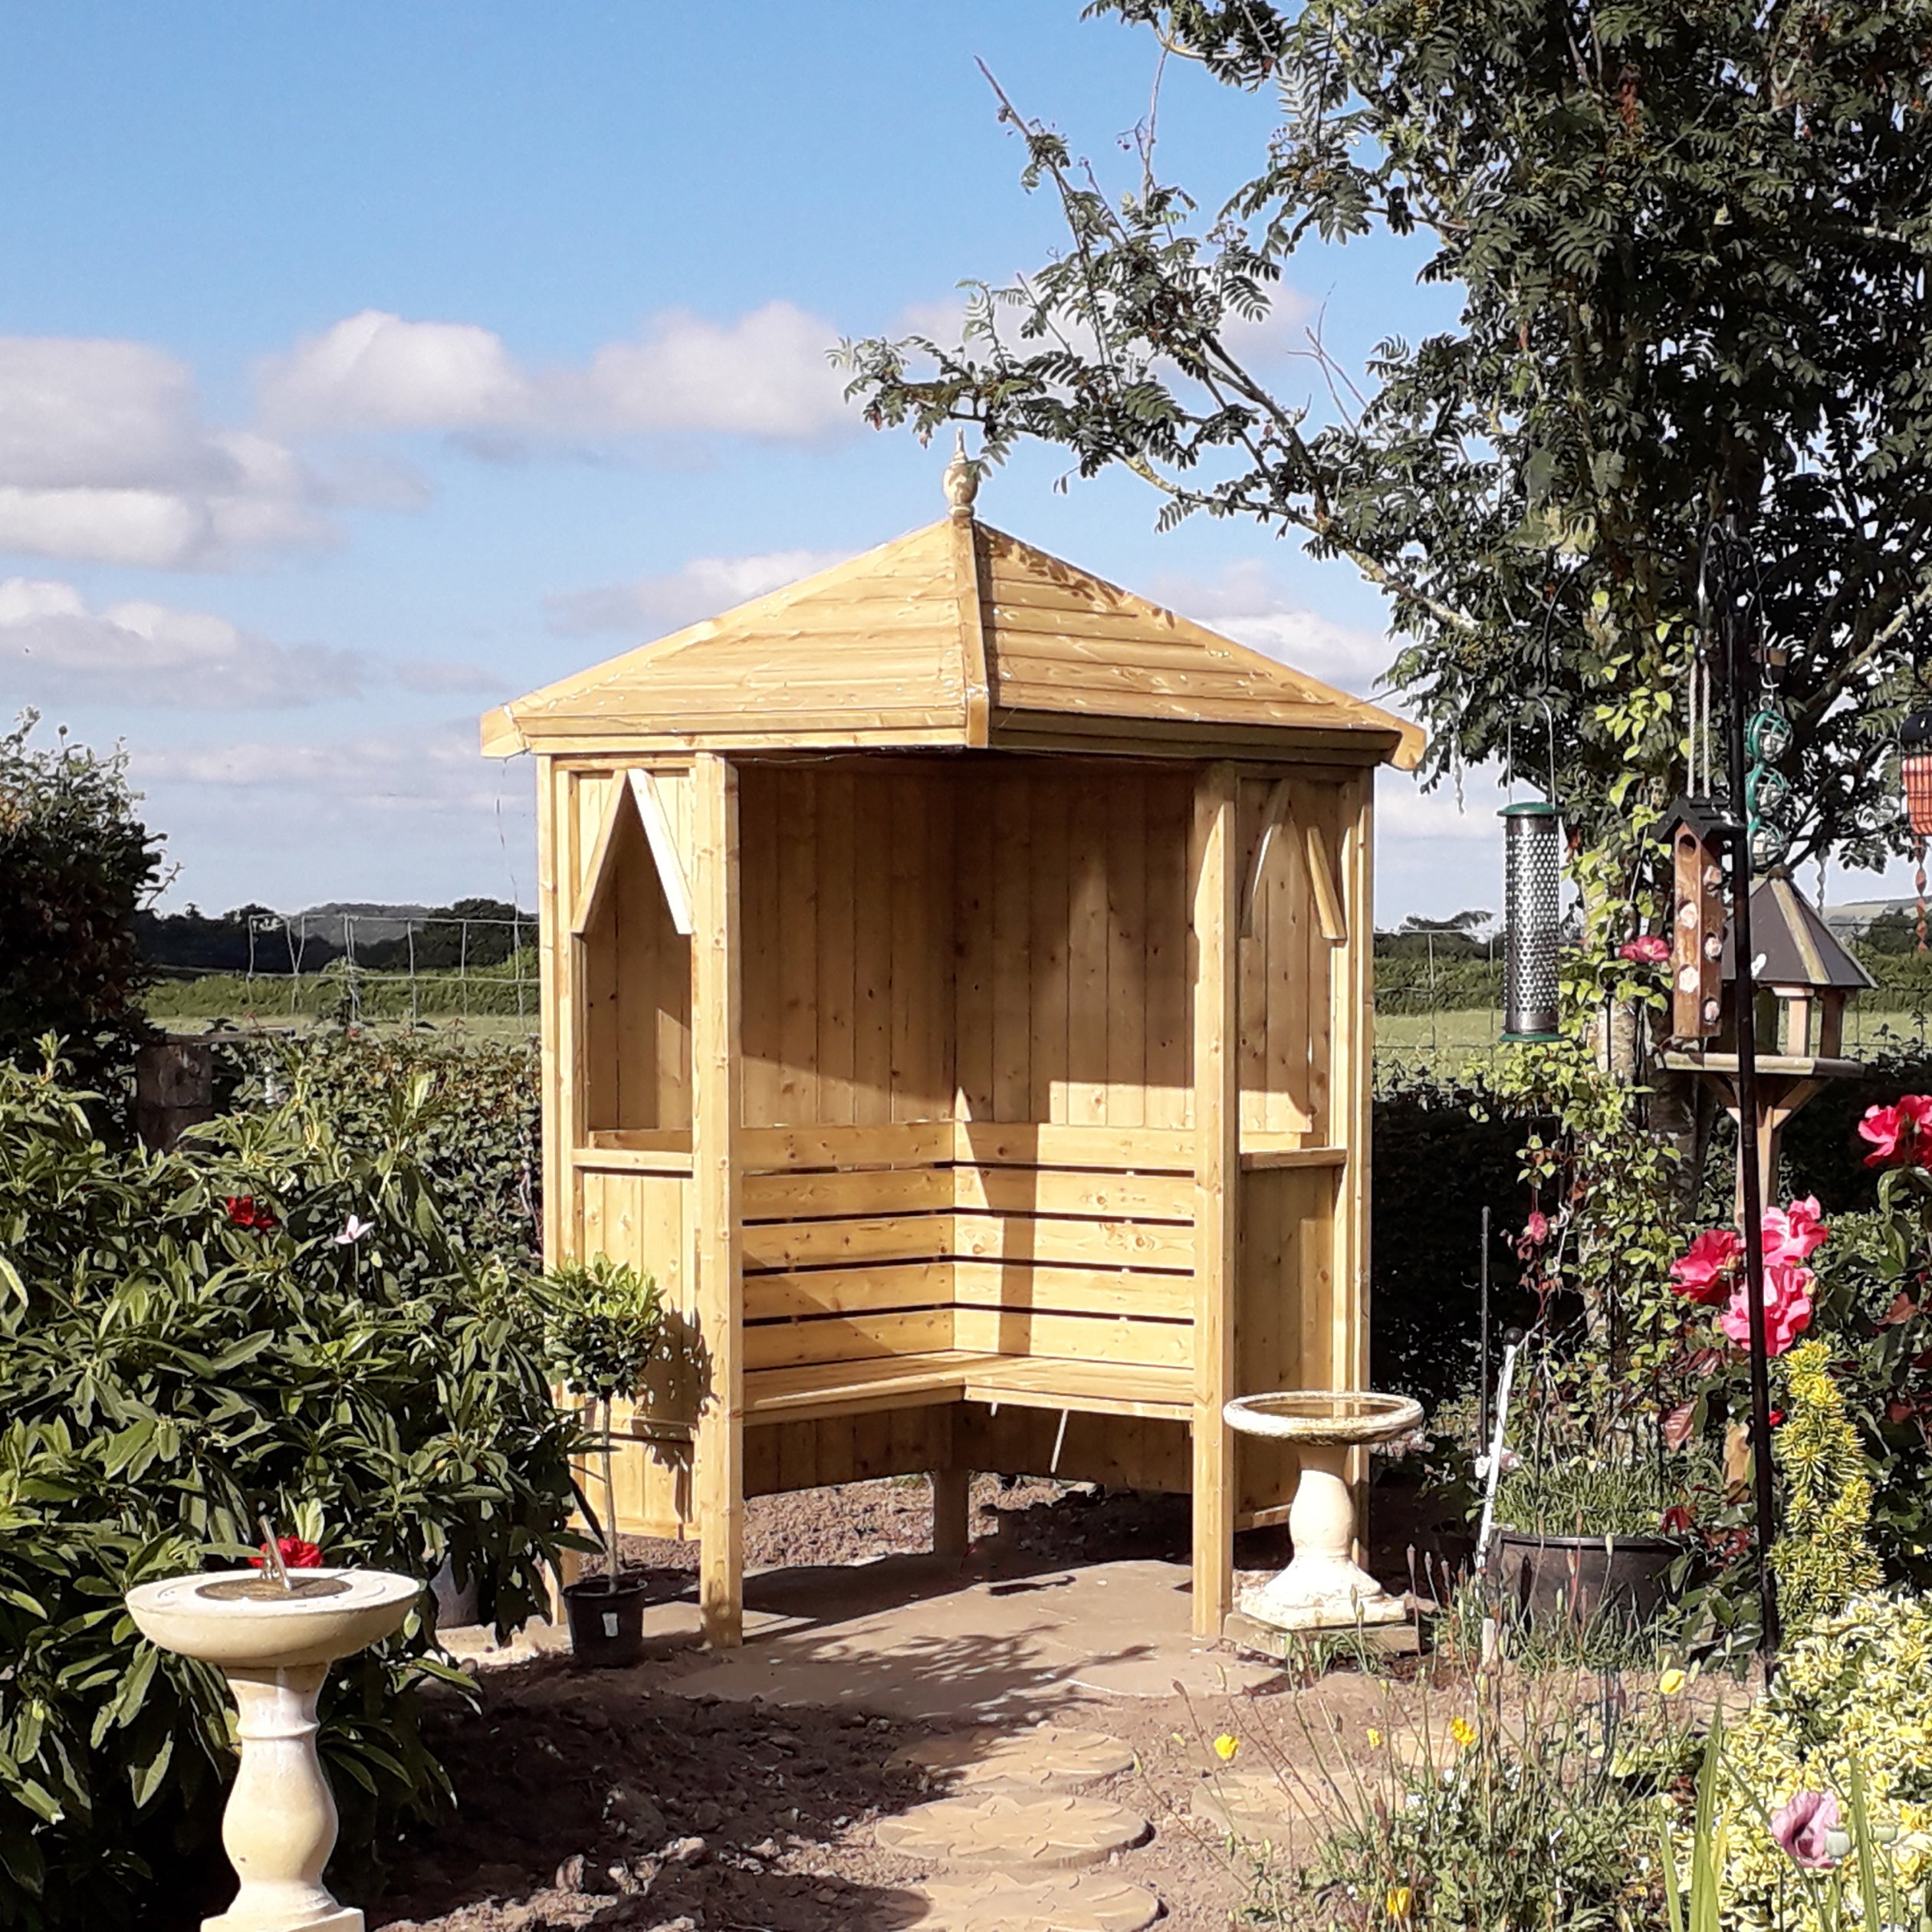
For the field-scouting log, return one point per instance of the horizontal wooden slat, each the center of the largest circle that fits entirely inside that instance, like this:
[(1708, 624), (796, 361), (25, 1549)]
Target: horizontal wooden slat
[(1025, 1237), (906, 1143), (1259, 1159), (882, 1382), (825, 1243), (847, 1338), (1081, 1337), (865, 1190), (631, 1160), (1144, 1389), (838, 1291), (1091, 1192), (886, 1382), (1039, 1144), (1073, 1291)]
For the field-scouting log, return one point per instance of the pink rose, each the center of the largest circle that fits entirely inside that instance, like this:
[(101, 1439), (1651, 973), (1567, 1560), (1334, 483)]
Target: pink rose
[(1895, 1132), (1787, 1308), (1536, 1228), (1704, 1274), (1794, 1233), (1648, 950), (1800, 1825)]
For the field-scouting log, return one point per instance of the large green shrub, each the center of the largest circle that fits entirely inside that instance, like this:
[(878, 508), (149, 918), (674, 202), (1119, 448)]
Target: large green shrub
[(479, 1144), (275, 1318), (75, 863)]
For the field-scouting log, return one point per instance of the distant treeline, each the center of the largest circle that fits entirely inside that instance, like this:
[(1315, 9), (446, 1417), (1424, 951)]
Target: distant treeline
[(473, 932)]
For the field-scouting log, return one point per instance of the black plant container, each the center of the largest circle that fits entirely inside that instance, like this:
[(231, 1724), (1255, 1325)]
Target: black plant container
[(1577, 1579)]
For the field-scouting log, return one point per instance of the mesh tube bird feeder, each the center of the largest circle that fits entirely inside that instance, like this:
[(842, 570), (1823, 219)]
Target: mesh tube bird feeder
[(1532, 909)]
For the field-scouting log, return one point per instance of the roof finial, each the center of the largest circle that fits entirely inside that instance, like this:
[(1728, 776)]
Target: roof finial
[(961, 480)]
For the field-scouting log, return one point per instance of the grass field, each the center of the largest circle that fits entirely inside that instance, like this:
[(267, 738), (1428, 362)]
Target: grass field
[(1452, 1043)]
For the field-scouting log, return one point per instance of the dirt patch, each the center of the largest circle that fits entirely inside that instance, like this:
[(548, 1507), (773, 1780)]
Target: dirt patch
[(602, 1800)]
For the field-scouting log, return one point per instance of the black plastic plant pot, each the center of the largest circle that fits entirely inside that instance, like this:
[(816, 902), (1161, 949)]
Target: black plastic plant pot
[(1580, 1579), (607, 1625)]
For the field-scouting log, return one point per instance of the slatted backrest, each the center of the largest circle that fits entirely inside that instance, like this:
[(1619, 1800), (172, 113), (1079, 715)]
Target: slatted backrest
[(1026, 1242)]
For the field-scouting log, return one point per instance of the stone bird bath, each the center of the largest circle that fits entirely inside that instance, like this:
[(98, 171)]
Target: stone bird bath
[(1323, 1587), (274, 1642)]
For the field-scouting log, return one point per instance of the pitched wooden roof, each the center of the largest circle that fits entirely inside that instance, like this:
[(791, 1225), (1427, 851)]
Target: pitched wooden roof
[(955, 635)]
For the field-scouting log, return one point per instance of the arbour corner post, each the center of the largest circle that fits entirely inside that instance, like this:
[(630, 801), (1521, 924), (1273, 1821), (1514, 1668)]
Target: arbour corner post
[(716, 1073)]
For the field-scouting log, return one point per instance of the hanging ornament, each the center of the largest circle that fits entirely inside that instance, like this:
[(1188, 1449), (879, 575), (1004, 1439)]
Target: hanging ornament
[(1915, 767), (1532, 907)]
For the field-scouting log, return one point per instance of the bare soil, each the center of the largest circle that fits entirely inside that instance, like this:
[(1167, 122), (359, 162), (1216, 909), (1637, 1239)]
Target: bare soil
[(604, 1800)]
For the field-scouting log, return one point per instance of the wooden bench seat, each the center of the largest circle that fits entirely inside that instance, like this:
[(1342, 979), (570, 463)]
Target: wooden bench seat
[(963, 1375)]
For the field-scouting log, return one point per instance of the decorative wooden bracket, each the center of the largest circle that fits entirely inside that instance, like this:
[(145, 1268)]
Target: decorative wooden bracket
[(1323, 880), (664, 849), (649, 799), (1274, 819), (1326, 880)]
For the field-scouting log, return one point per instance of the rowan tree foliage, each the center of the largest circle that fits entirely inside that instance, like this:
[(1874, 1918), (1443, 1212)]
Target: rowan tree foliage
[(75, 863), (1691, 238)]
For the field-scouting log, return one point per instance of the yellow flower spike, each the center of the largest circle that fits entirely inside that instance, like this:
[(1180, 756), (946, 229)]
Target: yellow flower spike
[(1225, 1746), (1464, 1732), (1671, 1682), (1374, 1739), (1398, 1902)]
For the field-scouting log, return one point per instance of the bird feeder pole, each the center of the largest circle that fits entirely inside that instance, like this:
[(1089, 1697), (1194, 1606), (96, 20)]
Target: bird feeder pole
[(1733, 626)]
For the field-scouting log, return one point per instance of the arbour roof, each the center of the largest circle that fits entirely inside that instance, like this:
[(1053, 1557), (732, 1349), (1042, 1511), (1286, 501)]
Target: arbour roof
[(955, 635)]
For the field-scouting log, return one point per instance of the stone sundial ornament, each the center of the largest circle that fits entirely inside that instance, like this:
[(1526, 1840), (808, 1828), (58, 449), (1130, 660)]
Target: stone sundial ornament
[(273, 1634)]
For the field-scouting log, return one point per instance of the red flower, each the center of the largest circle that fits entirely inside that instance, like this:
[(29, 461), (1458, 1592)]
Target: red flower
[(295, 1554), (1648, 950), (1794, 1233), (1787, 1308), (245, 1211), (1535, 1230), (1775, 1417), (1704, 1274), (1895, 1132)]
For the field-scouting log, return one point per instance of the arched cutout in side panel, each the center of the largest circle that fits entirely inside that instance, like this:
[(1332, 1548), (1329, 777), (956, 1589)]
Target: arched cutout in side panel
[(634, 969)]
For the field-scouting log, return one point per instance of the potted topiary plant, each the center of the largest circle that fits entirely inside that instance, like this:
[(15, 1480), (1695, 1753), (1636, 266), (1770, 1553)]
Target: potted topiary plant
[(606, 1328)]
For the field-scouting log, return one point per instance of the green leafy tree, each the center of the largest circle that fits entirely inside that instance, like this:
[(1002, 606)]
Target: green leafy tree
[(1691, 238), (75, 864)]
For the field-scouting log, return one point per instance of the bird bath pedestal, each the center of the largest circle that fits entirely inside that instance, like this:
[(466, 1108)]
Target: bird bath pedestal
[(1323, 1587), (275, 1646)]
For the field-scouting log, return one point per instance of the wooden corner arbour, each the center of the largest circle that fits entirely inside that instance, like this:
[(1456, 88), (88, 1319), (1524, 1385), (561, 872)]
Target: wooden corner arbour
[(956, 991)]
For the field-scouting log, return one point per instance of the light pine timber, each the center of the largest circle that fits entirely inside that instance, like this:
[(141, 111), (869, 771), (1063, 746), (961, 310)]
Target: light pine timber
[(1216, 913), (717, 1077)]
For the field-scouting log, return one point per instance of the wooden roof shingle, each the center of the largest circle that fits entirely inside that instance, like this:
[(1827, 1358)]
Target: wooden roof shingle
[(956, 634)]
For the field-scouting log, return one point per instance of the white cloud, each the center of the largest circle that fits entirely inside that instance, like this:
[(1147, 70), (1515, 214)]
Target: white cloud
[(764, 375), (54, 648), (104, 454), (135, 653), (436, 770), (702, 588), (375, 371)]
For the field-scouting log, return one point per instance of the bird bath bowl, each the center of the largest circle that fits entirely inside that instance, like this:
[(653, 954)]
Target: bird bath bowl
[(1323, 1587), (275, 1646)]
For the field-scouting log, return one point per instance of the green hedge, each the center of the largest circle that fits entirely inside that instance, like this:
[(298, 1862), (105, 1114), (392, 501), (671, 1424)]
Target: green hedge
[(276, 1317)]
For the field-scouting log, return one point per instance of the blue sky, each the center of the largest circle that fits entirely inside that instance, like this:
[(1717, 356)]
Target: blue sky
[(366, 365)]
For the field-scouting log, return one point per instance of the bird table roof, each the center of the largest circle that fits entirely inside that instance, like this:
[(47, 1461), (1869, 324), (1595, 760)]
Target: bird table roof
[(956, 635)]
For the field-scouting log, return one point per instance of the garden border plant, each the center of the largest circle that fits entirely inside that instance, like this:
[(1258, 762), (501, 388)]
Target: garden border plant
[(271, 1318)]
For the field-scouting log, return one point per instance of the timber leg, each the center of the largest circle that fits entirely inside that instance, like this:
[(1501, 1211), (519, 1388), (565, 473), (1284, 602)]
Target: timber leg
[(1213, 1525), (952, 1521), (721, 1531)]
